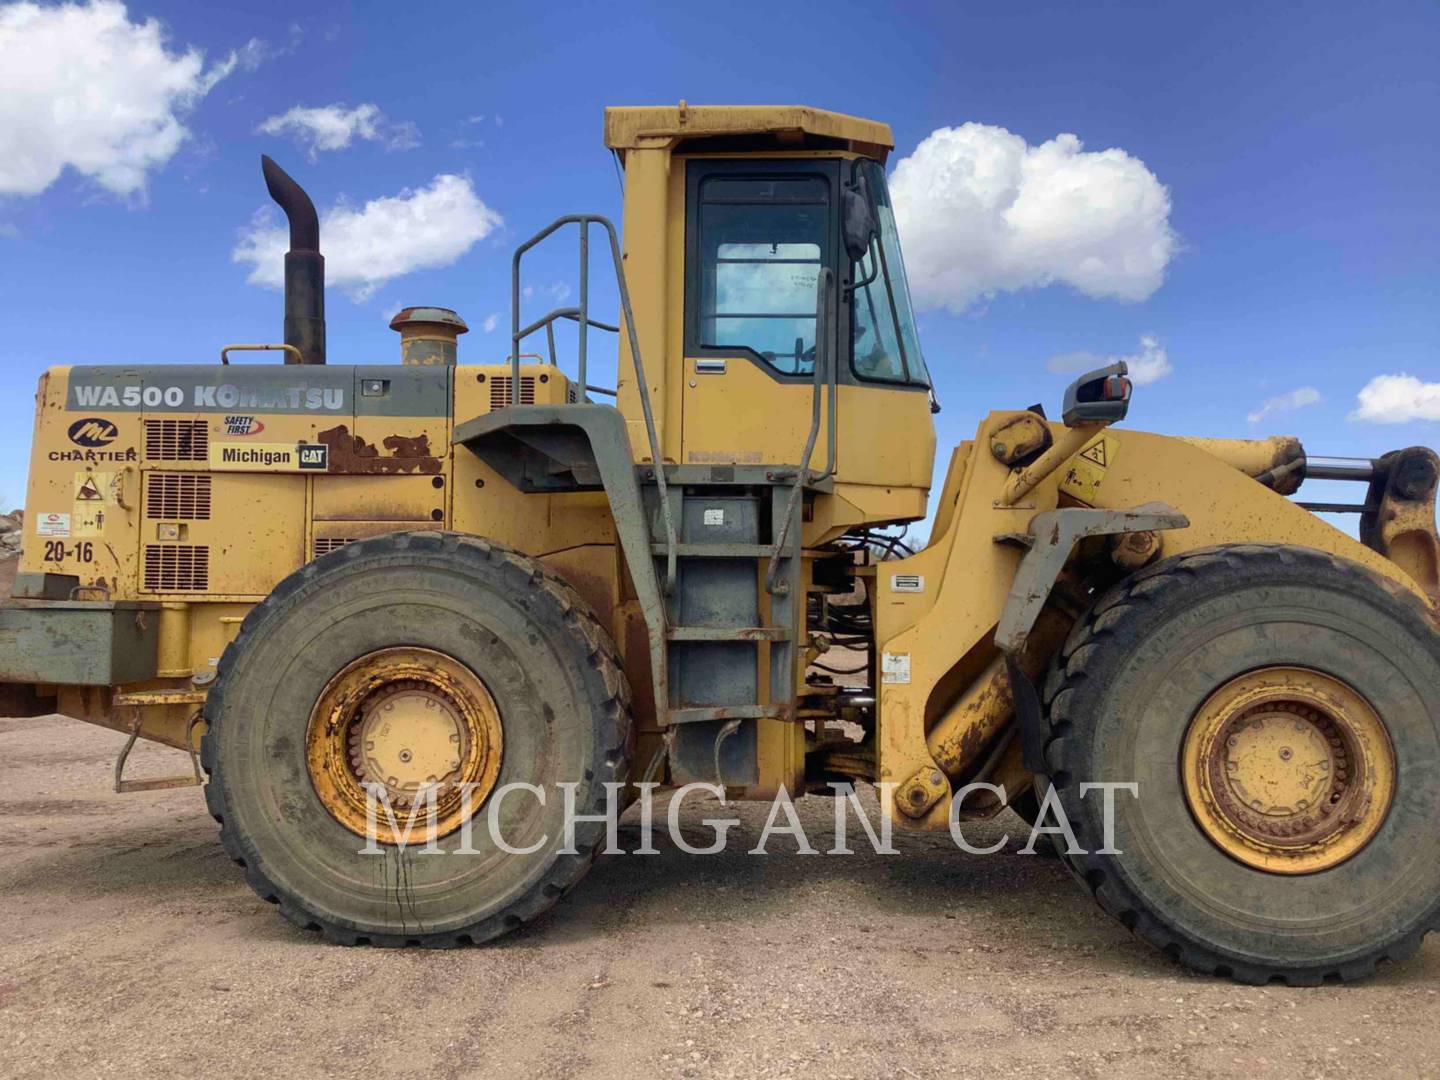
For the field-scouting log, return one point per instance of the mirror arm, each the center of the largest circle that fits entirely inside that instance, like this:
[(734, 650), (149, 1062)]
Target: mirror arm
[(856, 286)]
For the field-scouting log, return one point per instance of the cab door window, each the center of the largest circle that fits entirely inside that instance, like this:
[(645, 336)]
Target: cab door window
[(883, 341), (874, 338), (758, 242)]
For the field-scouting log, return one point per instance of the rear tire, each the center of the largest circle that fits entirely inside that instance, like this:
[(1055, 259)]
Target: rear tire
[(1148, 658), (551, 673)]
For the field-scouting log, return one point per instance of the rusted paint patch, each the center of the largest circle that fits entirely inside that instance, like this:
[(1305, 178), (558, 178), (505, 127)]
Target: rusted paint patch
[(353, 455)]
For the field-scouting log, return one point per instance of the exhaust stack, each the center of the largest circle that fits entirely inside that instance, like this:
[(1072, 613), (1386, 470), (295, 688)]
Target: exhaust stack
[(304, 266)]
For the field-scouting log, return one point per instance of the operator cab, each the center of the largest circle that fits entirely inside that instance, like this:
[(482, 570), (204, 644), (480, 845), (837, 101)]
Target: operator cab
[(742, 208), (760, 232)]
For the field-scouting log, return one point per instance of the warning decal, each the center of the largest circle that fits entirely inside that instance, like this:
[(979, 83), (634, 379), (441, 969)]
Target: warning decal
[(1085, 471), (895, 667), (95, 492), (89, 519), (97, 487)]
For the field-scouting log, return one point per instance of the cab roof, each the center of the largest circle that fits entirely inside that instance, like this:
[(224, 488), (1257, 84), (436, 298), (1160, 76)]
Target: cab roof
[(743, 127)]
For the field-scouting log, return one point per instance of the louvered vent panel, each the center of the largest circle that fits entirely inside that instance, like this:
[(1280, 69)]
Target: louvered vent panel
[(177, 568), (177, 496), (500, 391), (177, 440), (326, 544)]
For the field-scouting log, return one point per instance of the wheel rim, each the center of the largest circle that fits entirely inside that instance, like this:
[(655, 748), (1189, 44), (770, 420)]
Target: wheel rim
[(1288, 770), (408, 719)]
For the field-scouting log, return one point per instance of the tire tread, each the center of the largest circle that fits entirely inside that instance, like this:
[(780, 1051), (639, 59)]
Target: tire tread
[(1104, 629), (609, 690)]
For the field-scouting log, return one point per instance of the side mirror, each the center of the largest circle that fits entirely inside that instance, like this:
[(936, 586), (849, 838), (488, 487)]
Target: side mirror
[(1098, 397), (857, 222)]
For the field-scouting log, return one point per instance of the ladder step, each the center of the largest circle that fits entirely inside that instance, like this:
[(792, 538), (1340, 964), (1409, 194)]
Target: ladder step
[(728, 633), (718, 551), (699, 715)]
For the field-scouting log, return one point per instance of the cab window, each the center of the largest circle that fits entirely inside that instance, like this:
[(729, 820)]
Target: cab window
[(883, 340), (759, 243)]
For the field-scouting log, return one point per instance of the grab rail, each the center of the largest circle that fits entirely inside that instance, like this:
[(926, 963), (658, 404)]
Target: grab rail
[(825, 376), (581, 316)]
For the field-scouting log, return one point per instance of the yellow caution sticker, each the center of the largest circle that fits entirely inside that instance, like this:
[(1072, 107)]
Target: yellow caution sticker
[(89, 518), (97, 488), (1086, 470), (95, 495)]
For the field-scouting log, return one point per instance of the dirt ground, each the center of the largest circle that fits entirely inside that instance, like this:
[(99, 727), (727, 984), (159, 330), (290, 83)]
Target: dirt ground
[(130, 946)]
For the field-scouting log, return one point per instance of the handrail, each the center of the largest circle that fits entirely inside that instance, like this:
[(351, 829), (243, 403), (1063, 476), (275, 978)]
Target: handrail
[(547, 321), (581, 315), (228, 349), (824, 377)]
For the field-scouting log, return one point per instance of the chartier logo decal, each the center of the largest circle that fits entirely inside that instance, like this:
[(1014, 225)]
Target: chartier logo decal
[(93, 432)]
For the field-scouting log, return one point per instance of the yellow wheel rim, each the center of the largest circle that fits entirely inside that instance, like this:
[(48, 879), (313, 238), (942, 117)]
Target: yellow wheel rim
[(410, 720), (1288, 770)]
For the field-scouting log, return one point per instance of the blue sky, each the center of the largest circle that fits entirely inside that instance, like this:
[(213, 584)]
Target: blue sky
[(1297, 144)]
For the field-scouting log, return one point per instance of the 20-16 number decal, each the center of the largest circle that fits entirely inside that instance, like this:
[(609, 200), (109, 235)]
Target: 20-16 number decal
[(58, 551)]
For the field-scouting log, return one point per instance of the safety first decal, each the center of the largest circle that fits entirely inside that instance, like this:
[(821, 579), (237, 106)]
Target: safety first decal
[(1086, 470)]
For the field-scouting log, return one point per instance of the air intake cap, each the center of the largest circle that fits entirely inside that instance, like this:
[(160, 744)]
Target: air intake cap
[(428, 335)]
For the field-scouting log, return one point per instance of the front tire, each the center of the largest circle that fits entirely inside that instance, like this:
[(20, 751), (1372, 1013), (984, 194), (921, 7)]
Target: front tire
[(406, 660), (1306, 845)]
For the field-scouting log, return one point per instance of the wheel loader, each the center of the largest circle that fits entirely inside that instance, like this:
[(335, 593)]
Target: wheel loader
[(438, 581)]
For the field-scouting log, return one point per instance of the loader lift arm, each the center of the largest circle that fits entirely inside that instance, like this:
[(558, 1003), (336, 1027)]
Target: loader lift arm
[(1050, 539)]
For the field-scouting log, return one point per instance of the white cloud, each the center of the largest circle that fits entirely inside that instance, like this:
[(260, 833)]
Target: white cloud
[(258, 51), (83, 86), (1396, 399), (334, 127), (1150, 364), (980, 211), (389, 237), (491, 321), (1288, 402)]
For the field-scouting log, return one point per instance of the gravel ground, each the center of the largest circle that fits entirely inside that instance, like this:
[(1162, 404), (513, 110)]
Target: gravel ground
[(131, 946)]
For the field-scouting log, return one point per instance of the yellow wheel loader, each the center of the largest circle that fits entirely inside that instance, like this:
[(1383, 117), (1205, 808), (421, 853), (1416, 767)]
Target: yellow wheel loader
[(463, 587)]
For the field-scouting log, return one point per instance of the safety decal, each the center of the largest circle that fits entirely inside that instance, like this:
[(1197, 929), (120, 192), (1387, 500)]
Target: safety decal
[(1086, 470), (895, 667)]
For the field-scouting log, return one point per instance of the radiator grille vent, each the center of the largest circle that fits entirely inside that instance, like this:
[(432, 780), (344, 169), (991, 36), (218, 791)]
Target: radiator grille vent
[(500, 391), (177, 568), (177, 440), (178, 496), (326, 544)]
